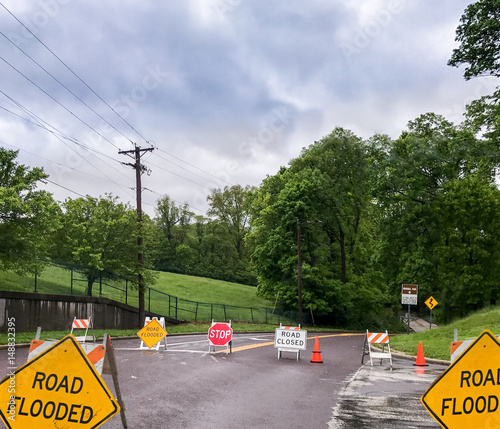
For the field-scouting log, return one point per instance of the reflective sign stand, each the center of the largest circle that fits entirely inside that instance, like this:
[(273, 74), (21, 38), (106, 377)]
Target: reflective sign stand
[(159, 344), (83, 324), (229, 345), (289, 349)]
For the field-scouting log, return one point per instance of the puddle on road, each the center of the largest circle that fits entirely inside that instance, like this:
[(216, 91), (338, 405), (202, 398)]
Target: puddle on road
[(378, 397)]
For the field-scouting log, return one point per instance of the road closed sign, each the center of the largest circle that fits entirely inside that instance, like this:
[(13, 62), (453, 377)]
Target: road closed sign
[(293, 338), (467, 394), (59, 388)]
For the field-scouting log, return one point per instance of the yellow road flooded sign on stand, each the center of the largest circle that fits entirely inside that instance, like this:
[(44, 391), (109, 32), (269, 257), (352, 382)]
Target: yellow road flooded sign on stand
[(59, 388), (467, 394), (152, 333), (431, 303)]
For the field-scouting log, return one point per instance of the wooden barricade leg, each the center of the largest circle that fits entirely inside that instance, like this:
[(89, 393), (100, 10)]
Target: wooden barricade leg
[(363, 353), (112, 369)]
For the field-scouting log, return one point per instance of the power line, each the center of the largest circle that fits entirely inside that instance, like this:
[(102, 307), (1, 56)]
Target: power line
[(64, 187), (176, 201), (194, 166), (55, 162), (60, 136), (179, 175), (50, 128), (59, 103), (100, 98), (65, 87), (74, 74)]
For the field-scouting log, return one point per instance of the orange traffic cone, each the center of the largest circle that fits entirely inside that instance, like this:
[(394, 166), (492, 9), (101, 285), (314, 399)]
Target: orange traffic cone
[(420, 356), (316, 357)]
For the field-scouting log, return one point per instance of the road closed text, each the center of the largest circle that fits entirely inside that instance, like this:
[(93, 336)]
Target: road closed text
[(295, 339), (471, 397), (58, 411)]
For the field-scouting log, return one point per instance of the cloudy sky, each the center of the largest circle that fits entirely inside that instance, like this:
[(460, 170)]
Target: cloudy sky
[(225, 91)]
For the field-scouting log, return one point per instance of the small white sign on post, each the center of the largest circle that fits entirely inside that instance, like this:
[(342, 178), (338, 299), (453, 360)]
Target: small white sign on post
[(409, 294), (290, 339)]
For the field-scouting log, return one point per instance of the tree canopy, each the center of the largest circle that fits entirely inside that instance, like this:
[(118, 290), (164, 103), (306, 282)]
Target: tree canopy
[(479, 37), (326, 191), (27, 215), (100, 236)]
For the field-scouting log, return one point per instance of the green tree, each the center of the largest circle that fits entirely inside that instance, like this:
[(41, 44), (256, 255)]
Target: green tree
[(230, 210), (468, 252), (100, 235), (173, 221), (479, 37), (27, 215), (479, 49), (430, 167), (327, 183), (231, 207)]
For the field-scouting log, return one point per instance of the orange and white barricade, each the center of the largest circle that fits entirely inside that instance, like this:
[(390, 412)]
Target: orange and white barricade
[(381, 339), (81, 324), (95, 352)]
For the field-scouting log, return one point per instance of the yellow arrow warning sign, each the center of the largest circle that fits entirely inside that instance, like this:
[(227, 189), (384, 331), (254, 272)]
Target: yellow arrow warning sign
[(58, 388), (467, 394), (152, 333)]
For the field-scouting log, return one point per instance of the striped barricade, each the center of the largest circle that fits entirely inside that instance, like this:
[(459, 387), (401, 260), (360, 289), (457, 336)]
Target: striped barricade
[(95, 352), (458, 347), (81, 324), (381, 339)]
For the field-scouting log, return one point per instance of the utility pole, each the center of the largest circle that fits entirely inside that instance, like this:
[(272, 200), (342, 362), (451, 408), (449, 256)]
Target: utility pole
[(299, 272), (139, 170), (299, 265)]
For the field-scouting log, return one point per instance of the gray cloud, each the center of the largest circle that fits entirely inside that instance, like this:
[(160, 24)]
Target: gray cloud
[(233, 87)]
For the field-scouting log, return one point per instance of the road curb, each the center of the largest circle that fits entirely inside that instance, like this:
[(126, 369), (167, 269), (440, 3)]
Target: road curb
[(402, 355)]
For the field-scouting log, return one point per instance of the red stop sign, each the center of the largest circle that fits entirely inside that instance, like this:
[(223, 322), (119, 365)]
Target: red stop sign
[(220, 334)]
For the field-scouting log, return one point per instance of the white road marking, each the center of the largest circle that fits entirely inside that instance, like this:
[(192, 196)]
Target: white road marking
[(187, 342)]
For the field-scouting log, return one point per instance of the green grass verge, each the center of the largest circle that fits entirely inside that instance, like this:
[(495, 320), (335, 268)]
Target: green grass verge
[(436, 342), (183, 328)]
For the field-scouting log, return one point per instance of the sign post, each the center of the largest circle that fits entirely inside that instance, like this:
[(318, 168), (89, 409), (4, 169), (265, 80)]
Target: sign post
[(431, 303), (466, 394), (409, 295), (58, 388)]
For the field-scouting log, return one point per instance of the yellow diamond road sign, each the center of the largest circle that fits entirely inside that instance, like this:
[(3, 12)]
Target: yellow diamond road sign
[(59, 388), (431, 303), (467, 394), (152, 333)]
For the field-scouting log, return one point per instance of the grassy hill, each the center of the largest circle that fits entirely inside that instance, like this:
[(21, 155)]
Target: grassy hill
[(56, 280), (436, 342)]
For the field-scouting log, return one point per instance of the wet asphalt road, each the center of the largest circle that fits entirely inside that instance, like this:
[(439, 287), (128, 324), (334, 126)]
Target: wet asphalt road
[(376, 397), (186, 387)]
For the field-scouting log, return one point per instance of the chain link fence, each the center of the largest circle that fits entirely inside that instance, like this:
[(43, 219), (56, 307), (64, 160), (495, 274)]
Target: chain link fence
[(165, 304)]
